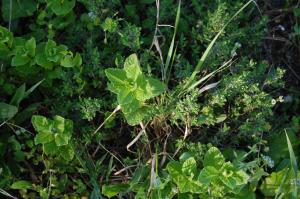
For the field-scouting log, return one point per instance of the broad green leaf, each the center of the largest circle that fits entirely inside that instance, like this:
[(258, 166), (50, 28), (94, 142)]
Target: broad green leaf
[(273, 182), (69, 61), (20, 60), (42, 61), (132, 67), (61, 139), (20, 8), (61, 7), (233, 178), (148, 88), (155, 87), (43, 137), (125, 96), (66, 152), (208, 174), (53, 52), (110, 25), (117, 77), (184, 183), (136, 117), (22, 184), (7, 111), (30, 46), (41, 123), (189, 166), (6, 37), (214, 158), (50, 148), (114, 189)]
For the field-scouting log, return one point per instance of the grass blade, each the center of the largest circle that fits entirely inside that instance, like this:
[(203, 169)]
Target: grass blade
[(171, 48), (293, 164), (209, 48)]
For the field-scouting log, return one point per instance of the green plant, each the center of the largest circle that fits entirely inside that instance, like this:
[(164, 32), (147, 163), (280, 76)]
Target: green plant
[(133, 88), (55, 136)]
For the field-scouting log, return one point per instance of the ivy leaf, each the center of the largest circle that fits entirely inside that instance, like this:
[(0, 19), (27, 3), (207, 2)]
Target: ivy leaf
[(214, 158), (60, 7), (132, 67)]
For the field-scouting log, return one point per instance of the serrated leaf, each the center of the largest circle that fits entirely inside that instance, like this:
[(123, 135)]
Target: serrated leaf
[(214, 158)]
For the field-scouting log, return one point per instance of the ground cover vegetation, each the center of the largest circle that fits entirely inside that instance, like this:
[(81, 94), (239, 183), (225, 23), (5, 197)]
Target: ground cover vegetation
[(149, 99)]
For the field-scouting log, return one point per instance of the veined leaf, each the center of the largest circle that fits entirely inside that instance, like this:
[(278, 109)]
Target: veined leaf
[(214, 158), (132, 67), (7, 111)]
